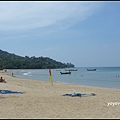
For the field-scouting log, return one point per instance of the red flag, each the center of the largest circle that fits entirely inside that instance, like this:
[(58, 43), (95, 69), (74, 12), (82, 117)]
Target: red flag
[(50, 72), (50, 76)]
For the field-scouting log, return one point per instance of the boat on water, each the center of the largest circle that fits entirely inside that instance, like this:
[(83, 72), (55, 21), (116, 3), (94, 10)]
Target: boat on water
[(92, 69), (71, 69), (65, 72)]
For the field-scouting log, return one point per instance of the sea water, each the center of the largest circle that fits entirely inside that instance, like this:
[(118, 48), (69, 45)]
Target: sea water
[(103, 76)]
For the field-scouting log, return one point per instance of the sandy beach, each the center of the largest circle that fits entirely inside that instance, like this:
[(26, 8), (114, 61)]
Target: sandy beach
[(42, 100)]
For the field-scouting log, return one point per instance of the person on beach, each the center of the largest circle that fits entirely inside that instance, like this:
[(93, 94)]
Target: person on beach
[(2, 80)]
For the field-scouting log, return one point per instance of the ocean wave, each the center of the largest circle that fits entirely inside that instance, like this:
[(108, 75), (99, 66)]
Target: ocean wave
[(27, 73)]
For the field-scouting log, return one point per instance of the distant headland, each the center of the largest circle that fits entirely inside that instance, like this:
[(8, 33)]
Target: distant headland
[(12, 61)]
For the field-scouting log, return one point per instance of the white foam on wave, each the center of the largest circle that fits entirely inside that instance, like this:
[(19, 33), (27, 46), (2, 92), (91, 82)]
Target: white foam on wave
[(26, 73)]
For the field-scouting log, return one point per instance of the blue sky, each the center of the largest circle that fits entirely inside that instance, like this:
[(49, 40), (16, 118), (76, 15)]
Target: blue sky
[(85, 33)]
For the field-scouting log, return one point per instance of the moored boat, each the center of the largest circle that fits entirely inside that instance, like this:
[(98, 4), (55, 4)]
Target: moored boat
[(71, 69), (94, 69), (65, 72)]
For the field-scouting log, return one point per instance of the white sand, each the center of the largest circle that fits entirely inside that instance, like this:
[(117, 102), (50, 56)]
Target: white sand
[(42, 100)]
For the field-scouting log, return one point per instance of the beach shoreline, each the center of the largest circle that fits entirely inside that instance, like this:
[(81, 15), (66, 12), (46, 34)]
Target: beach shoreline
[(42, 100)]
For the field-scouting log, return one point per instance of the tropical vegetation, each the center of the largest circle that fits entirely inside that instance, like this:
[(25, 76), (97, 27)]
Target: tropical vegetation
[(12, 61)]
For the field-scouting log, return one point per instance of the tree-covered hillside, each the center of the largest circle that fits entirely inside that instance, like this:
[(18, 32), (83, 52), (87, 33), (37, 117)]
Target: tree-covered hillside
[(12, 61)]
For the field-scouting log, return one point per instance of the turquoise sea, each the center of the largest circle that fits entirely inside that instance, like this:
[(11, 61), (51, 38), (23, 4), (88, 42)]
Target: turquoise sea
[(103, 76)]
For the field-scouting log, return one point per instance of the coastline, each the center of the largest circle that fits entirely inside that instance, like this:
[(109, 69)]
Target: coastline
[(42, 100)]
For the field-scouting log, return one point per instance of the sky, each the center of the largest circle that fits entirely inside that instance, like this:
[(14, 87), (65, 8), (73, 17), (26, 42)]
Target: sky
[(84, 33)]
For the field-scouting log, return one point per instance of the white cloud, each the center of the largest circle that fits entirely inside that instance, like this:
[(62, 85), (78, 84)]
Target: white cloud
[(28, 15)]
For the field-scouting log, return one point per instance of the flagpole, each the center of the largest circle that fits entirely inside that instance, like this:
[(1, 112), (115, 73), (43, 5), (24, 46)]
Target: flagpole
[(51, 77)]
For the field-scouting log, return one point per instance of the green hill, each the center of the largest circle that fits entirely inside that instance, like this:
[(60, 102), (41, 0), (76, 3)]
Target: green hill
[(12, 61)]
